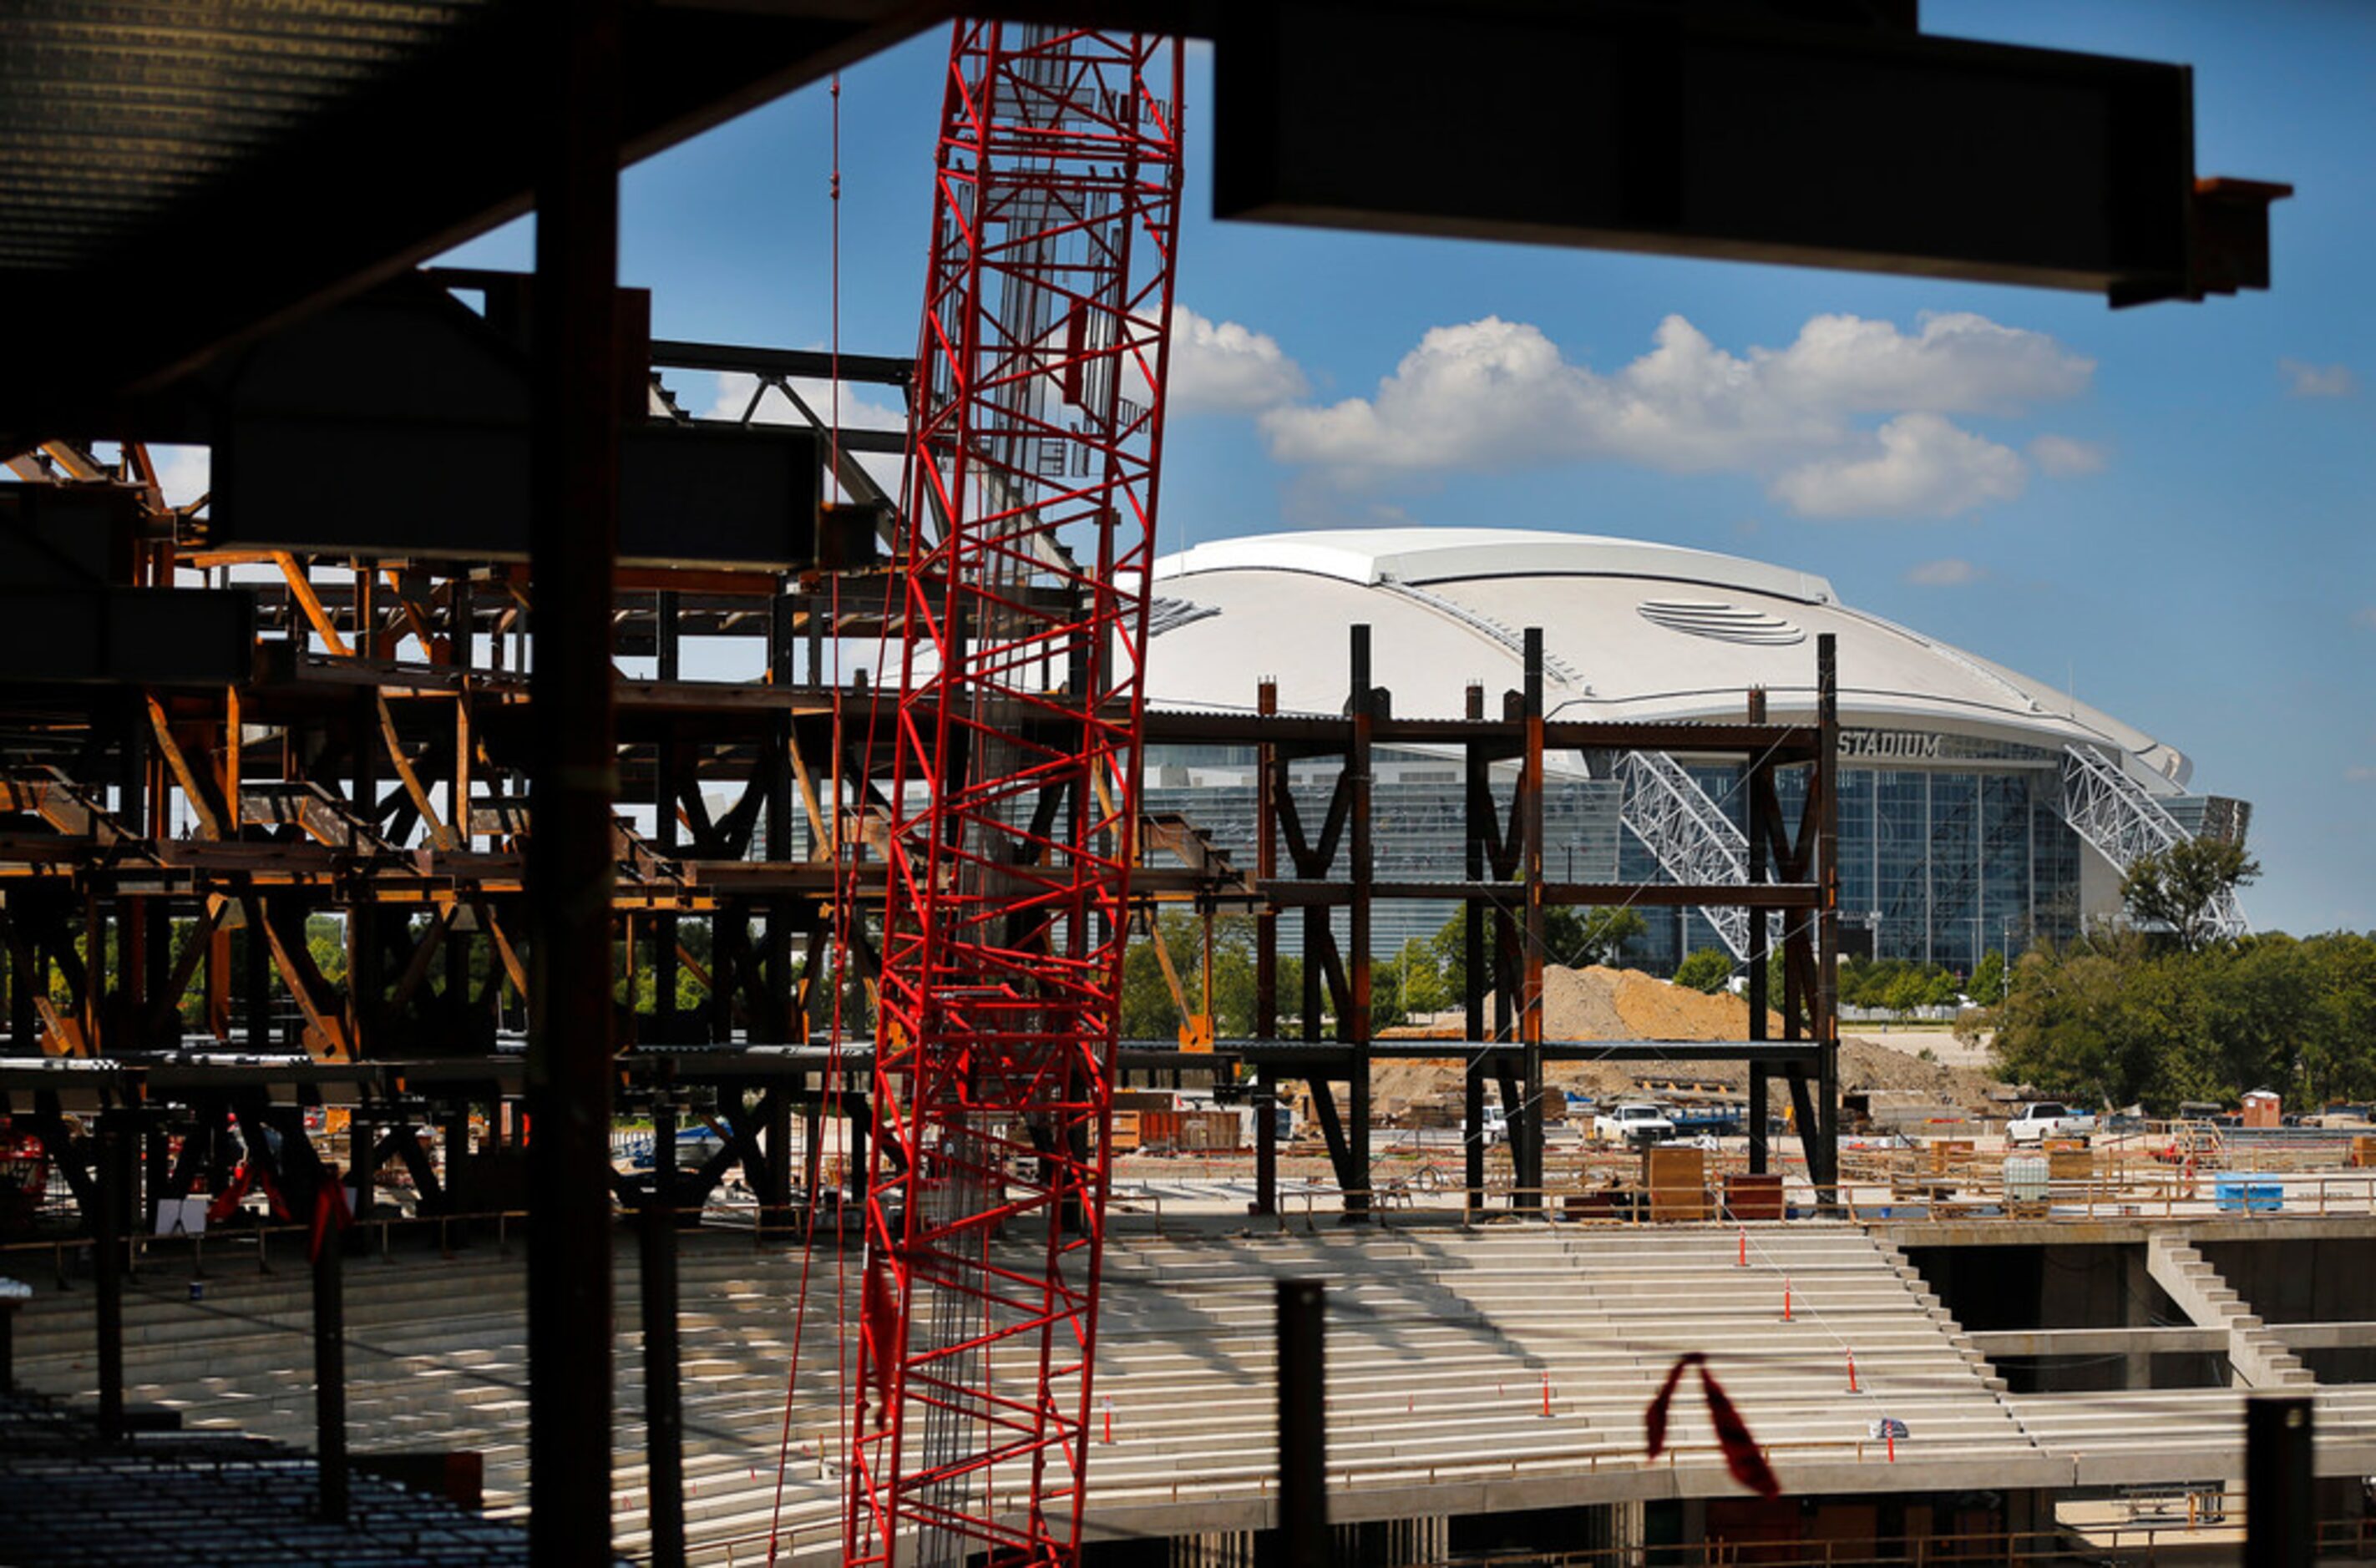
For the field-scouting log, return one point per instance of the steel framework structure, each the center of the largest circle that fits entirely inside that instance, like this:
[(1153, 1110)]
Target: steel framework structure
[(2114, 815), (1033, 453), (1693, 840)]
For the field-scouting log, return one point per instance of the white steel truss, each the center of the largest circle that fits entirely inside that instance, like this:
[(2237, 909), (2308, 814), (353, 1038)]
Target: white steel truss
[(1689, 836), (2122, 822)]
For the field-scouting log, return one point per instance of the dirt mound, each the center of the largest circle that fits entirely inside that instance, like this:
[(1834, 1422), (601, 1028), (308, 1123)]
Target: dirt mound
[(1604, 1003), (1581, 1005)]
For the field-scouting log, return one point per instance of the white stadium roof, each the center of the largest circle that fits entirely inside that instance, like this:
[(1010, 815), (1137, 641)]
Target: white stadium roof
[(1632, 629)]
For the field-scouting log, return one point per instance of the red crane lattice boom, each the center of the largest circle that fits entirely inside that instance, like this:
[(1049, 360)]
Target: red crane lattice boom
[(1028, 534)]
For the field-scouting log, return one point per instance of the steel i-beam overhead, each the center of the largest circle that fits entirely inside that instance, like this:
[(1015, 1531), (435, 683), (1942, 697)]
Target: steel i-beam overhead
[(1716, 131)]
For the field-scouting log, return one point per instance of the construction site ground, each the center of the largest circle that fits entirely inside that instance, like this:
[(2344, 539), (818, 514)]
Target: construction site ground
[(1626, 1005)]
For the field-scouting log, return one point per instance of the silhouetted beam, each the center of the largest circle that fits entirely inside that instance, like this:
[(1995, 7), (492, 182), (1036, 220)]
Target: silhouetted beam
[(1718, 134), (815, 365), (153, 636)]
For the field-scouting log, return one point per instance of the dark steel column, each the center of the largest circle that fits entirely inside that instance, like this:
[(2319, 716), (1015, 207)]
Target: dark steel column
[(1526, 1135), (573, 783), (362, 1159), (107, 1269), (1266, 1141), (260, 981), (812, 1139), (157, 1169), (24, 984), (2280, 1529), (663, 1406), (775, 1209), (1266, 958), (1757, 784), (364, 976), (1302, 1425), (330, 1362), (664, 825), (131, 914), (778, 844), (458, 1159), (1825, 1002), (1363, 853), (855, 1120), (1477, 794)]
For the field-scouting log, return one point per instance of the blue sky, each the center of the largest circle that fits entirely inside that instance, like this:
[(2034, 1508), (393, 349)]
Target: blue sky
[(2165, 506)]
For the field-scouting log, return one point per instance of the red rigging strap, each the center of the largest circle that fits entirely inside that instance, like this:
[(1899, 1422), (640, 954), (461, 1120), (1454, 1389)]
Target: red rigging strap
[(1743, 1456), (1028, 517)]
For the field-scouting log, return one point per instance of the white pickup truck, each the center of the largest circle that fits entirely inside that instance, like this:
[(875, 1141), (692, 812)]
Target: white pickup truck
[(2047, 1119), (1632, 1122), (1496, 1128)]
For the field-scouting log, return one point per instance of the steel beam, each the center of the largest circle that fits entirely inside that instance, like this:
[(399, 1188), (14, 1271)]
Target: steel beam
[(572, 774), (1716, 131), (663, 1402), (1361, 872)]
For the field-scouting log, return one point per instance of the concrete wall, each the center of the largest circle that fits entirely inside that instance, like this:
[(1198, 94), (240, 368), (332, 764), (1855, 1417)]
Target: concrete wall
[(2095, 1286), (2312, 1280)]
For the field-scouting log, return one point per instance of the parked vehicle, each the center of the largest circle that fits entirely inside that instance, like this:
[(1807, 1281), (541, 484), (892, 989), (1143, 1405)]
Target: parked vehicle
[(1633, 1122), (2047, 1119), (1496, 1128), (1709, 1121)]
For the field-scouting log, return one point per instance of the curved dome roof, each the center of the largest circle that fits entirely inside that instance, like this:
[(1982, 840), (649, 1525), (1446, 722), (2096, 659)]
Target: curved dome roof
[(1632, 629)]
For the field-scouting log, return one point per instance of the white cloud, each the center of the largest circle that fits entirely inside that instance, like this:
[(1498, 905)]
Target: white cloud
[(1953, 572), (2307, 380), (735, 387), (183, 473), (1496, 394), (1924, 466), (1959, 363), (2367, 616), (1221, 367), (733, 395), (2063, 457), (2360, 775)]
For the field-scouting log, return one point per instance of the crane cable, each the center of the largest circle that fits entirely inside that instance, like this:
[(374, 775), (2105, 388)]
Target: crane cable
[(843, 904)]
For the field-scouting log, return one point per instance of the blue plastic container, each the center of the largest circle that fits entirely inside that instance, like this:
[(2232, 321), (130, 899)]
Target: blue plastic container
[(2248, 1194)]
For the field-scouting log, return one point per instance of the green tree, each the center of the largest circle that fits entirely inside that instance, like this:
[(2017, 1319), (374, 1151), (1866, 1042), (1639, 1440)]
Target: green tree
[(1908, 990), (326, 940), (1580, 938), (1707, 969), (1449, 947), (1149, 1011), (1989, 978), (2177, 890), (2122, 1016), (2338, 1059), (1940, 987), (2081, 1022), (1416, 982)]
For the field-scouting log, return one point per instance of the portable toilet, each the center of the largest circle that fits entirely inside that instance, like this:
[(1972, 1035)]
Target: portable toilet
[(2263, 1108)]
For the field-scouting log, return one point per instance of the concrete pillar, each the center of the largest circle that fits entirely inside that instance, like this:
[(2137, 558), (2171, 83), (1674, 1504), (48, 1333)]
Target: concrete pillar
[(2137, 1293)]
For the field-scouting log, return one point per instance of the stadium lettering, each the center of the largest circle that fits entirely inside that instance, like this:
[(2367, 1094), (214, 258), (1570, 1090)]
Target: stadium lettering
[(1888, 744)]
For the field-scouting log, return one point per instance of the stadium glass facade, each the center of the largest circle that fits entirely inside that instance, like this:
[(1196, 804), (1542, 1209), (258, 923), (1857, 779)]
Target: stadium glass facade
[(1938, 864), (1417, 813), (1958, 850)]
